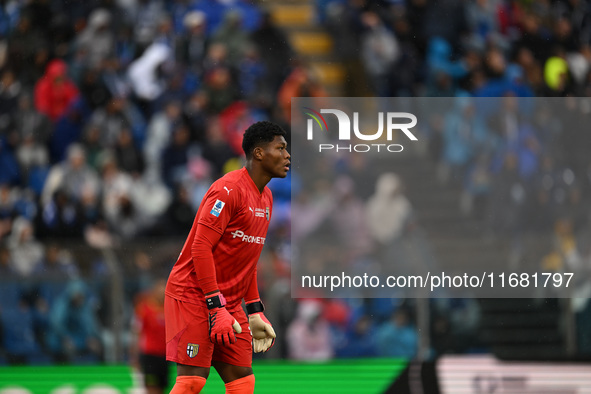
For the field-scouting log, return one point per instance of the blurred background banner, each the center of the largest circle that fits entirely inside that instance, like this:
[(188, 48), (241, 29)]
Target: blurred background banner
[(484, 374), (478, 374), (343, 376), (440, 197)]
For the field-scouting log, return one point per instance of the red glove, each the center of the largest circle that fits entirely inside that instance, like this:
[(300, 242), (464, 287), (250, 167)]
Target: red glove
[(221, 324)]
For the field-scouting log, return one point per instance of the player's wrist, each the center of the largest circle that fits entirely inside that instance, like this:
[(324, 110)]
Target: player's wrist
[(255, 307), (215, 300)]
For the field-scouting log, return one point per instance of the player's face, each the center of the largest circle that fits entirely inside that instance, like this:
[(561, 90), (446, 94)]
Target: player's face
[(276, 160)]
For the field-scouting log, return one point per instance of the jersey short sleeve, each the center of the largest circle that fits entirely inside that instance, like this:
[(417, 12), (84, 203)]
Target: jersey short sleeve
[(219, 205)]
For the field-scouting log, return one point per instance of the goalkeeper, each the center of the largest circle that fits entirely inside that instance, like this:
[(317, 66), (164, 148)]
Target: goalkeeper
[(205, 322)]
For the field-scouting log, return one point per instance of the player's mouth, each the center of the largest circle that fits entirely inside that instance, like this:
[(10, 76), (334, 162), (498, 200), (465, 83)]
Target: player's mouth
[(286, 166)]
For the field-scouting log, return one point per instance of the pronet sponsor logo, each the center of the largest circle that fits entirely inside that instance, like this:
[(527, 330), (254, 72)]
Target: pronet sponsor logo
[(248, 238), (388, 122)]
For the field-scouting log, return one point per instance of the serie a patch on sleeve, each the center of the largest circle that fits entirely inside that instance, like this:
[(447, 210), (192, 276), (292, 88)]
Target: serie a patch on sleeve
[(217, 208)]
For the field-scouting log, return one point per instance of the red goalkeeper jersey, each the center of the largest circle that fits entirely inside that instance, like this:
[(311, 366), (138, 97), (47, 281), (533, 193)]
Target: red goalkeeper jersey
[(234, 208)]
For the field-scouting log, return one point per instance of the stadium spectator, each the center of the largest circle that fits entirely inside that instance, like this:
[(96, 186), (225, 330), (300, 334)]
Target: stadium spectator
[(217, 150), (507, 205), (25, 250), (60, 217), (148, 347), (121, 209), (440, 64), (359, 339), (74, 331), (8, 201), (56, 264), (313, 207), (10, 90), (252, 76), (96, 41), (18, 336), (397, 337), (309, 335), (55, 92), (231, 35), (463, 133), (145, 74), (477, 187), (127, 154), (220, 88), (348, 219), (50, 276), (29, 121), (176, 155), (274, 49), (71, 176), (192, 43), (33, 159), (344, 26), (380, 51), (195, 116), (301, 82), (91, 140), (68, 130), (7, 270), (9, 169), (388, 211), (179, 214), (111, 120), (159, 132), (27, 50)]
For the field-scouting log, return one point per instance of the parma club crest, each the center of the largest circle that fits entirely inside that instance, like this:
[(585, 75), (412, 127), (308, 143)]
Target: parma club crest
[(192, 349)]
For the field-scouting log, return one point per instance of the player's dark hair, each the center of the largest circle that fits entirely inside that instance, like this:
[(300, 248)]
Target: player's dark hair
[(260, 133)]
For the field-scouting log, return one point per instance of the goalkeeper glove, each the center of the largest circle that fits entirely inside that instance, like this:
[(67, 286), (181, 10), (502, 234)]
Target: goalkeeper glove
[(221, 324), (263, 335)]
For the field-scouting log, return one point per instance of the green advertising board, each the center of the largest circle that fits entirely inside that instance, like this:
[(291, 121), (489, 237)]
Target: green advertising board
[(340, 376)]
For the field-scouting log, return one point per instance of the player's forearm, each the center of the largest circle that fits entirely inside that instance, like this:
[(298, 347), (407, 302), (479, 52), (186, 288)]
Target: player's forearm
[(252, 293)]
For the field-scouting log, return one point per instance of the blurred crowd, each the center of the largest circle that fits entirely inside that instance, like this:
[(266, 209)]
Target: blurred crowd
[(521, 169), (485, 48), (116, 116)]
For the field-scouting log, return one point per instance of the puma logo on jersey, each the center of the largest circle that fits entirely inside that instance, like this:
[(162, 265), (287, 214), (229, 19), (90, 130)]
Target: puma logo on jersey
[(228, 190)]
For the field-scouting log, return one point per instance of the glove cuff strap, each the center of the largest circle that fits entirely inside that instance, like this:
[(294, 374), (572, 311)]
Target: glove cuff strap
[(255, 307), (215, 300)]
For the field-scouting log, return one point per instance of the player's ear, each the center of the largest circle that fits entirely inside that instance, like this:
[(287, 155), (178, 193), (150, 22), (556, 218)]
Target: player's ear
[(258, 153)]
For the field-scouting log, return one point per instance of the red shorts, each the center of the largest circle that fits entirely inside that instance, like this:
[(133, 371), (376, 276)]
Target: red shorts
[(187, 336)]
